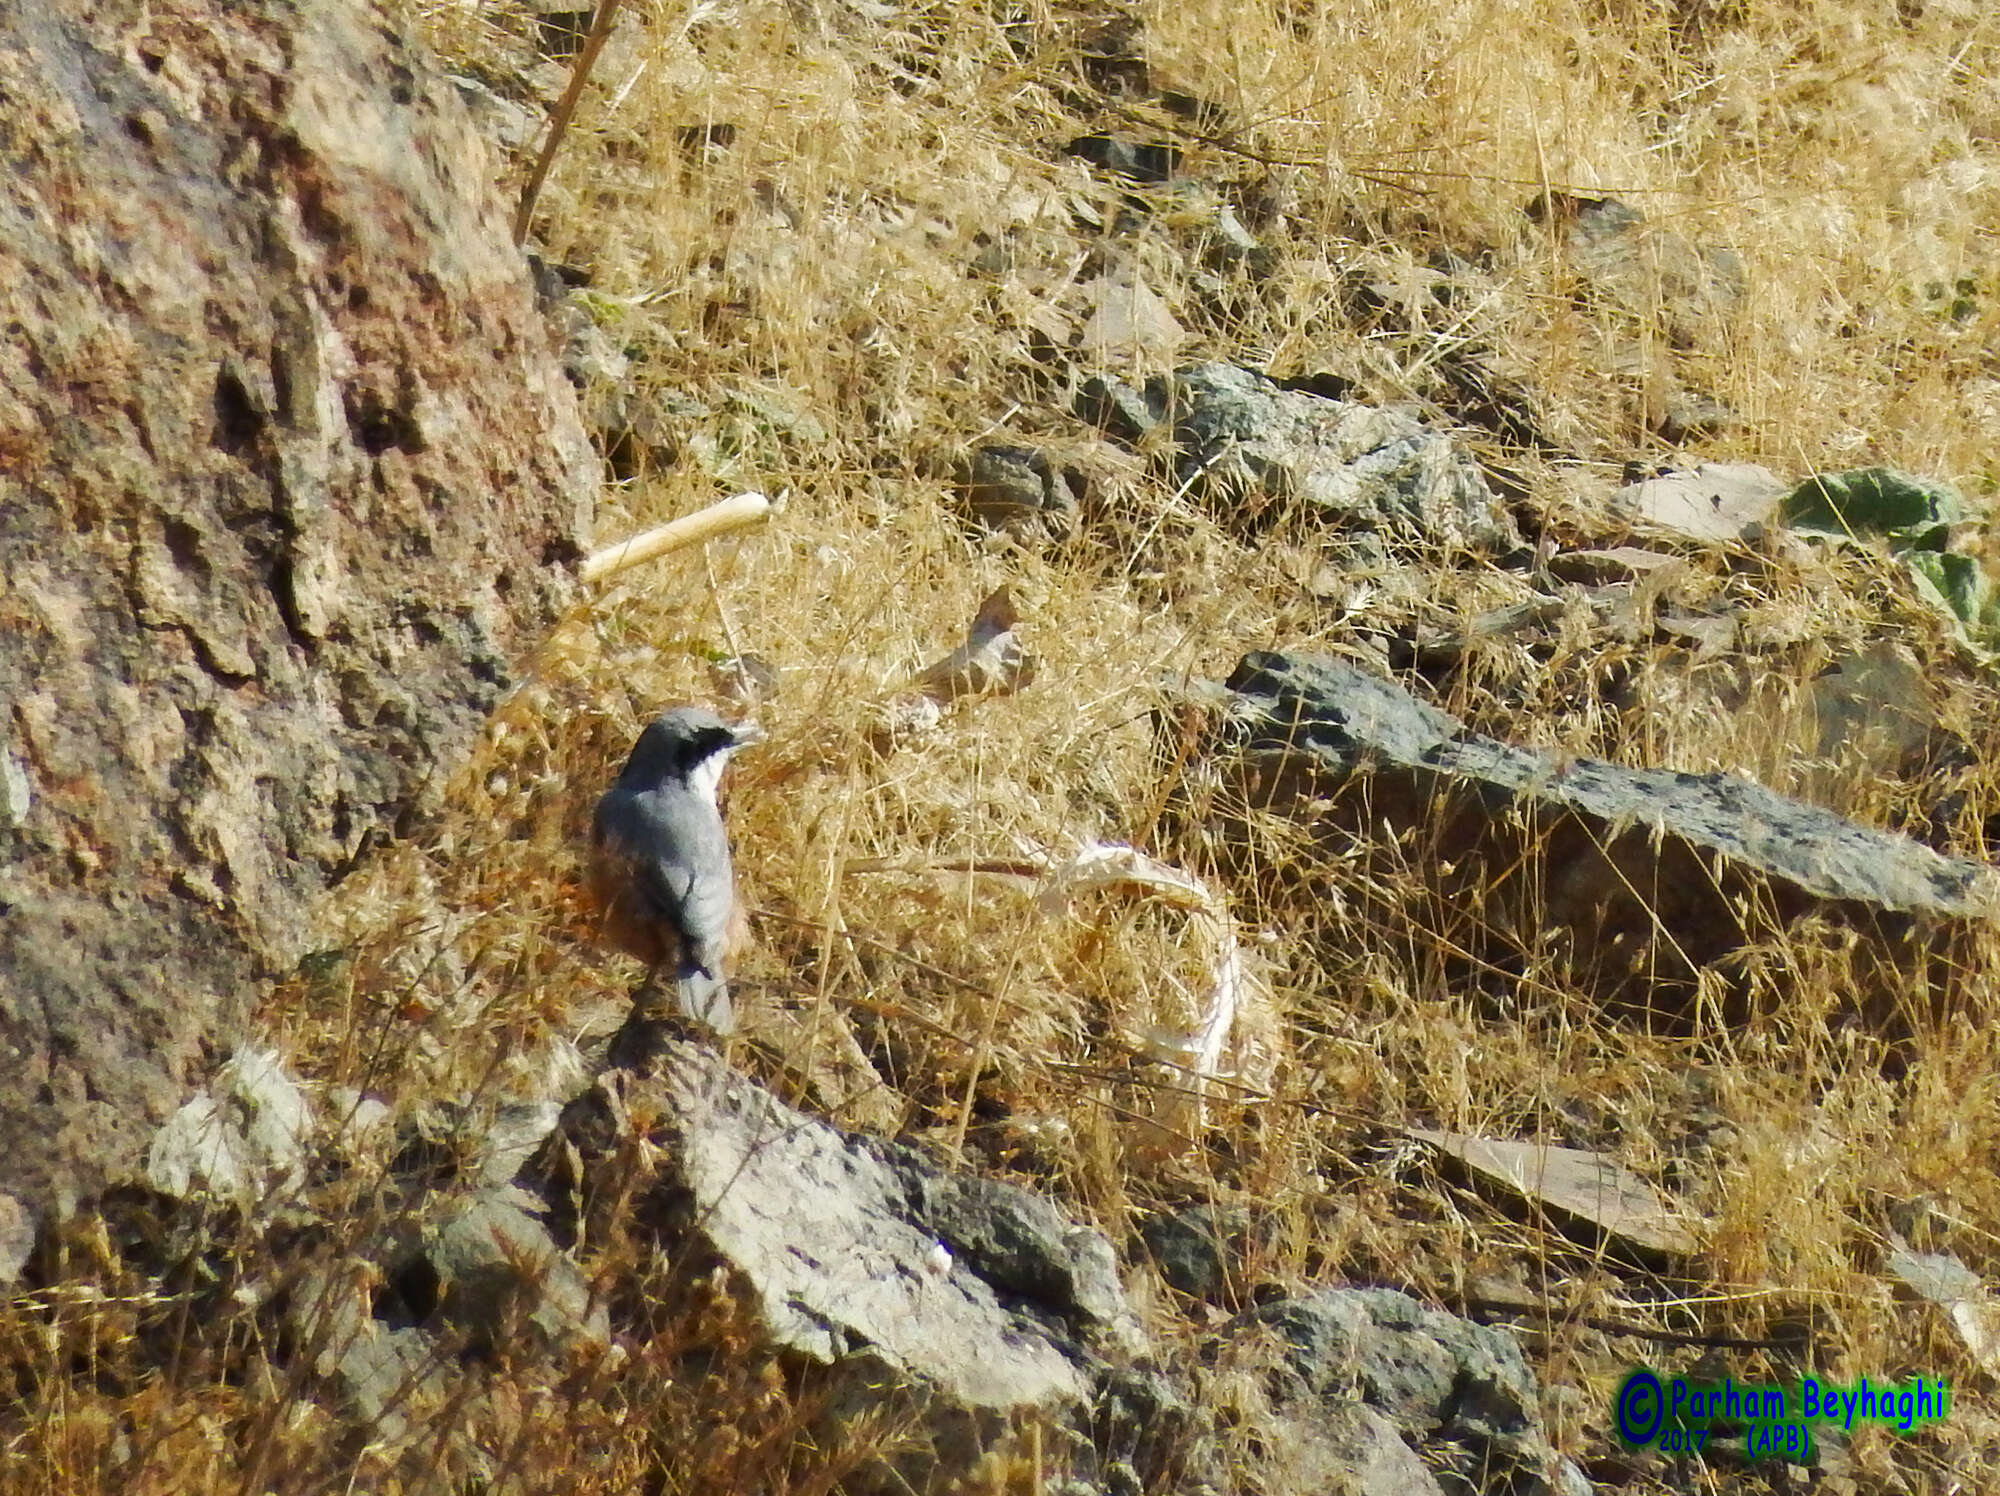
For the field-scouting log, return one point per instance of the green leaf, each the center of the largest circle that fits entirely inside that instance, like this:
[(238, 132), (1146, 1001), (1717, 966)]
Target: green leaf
[(1959, 586), (1948, 581), (1909, 512)]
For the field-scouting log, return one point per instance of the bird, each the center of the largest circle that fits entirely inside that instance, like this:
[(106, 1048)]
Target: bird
[(660, 867)]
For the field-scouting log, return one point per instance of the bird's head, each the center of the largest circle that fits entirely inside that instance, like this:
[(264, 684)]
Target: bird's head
[(689, 743)]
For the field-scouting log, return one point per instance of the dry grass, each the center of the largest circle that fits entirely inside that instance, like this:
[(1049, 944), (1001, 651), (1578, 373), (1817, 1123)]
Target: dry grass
[(805, 299)]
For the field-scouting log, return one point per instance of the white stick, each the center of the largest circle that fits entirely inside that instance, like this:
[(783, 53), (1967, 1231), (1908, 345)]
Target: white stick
[(719, 518)]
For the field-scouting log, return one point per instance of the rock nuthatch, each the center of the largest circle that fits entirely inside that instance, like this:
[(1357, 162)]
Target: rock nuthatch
[(660, 865)]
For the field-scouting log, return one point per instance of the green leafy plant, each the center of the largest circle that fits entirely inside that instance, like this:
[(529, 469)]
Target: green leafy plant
[(1916, 519)]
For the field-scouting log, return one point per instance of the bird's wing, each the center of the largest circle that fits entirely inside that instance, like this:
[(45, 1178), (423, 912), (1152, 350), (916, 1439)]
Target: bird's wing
[(678, 853)]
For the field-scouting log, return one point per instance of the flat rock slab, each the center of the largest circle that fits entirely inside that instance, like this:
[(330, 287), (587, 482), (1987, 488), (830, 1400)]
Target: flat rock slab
[(1648, 869), (973, 1286), (1710, 501), (1577, 1184), (1645, 269), (820, 1228)]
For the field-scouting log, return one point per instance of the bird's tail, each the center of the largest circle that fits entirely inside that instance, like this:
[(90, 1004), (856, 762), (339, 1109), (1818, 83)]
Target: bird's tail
[(704, 997)]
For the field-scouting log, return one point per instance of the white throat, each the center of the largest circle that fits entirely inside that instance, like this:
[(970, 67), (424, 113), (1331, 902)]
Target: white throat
[(705, 778)]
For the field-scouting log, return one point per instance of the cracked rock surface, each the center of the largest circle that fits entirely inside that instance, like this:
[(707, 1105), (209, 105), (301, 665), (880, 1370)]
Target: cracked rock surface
[(287, 470)]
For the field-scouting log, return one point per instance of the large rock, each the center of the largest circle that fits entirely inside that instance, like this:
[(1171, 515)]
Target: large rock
[(1650, 874), (968, 1305), (1254, 451), (286, 473), (1367, 1377)]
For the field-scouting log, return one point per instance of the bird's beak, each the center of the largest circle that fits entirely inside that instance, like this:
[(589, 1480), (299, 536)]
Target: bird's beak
[(746, 734)]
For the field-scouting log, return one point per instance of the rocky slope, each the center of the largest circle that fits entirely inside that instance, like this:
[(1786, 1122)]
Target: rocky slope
[(1445, 866)]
